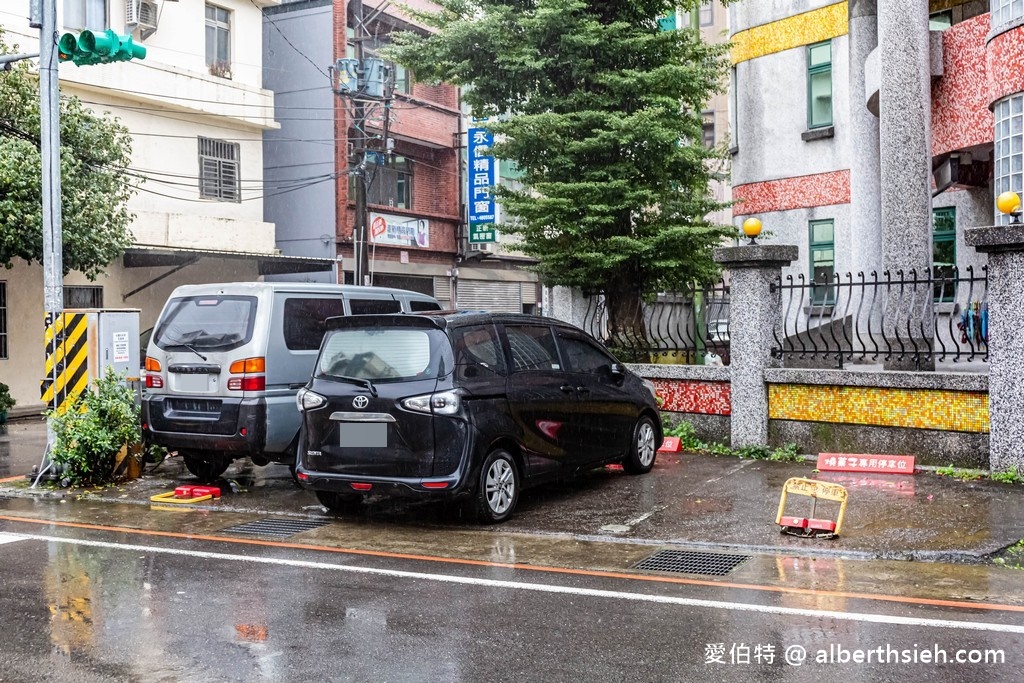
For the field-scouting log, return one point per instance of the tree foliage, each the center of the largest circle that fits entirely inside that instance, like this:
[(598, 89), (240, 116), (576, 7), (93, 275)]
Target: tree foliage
[(95, 187), (601, 112)]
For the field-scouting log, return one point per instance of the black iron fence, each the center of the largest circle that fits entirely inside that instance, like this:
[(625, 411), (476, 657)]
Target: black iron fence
[(916, 317), (687, 327)]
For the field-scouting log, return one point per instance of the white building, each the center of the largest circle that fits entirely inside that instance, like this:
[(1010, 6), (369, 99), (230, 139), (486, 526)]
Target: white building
[(196, 111)]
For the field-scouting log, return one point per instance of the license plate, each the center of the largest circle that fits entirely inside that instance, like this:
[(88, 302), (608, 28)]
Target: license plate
[(189, 382), (363, 434)]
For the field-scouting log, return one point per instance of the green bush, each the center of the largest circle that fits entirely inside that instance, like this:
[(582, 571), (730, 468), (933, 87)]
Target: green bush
[(6, 400), (689, 441), (94, 428)]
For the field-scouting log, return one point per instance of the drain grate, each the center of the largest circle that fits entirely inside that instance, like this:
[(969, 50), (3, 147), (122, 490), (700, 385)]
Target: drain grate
[(690, 562), (280, 528)]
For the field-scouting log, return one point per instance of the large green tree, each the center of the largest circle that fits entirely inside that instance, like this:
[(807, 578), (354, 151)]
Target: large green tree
[(95, 183), (601, 111)]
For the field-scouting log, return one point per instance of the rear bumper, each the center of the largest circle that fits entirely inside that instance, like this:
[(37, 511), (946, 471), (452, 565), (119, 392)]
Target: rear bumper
[(438, 487), (239, 428)]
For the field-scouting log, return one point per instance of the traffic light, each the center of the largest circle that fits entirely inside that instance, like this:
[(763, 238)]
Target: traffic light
[(98, 48)]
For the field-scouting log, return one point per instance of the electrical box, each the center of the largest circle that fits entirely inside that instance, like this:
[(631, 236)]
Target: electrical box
[(116, 335)]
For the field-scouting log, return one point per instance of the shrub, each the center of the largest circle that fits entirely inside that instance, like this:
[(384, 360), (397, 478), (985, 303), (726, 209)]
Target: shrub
[(6, 400), (94, 428)]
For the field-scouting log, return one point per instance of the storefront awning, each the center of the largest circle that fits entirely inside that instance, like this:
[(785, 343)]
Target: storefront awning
[(146, 256)]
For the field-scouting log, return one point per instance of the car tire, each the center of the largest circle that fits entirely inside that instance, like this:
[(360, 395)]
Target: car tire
[(205, 469), (498, 488), (642, 447), (339, 502)]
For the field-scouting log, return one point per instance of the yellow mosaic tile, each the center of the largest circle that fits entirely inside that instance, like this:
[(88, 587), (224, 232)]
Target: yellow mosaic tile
[(801, 29), (951, 411)]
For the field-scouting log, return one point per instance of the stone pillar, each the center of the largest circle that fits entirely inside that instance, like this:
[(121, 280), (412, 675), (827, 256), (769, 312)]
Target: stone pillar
[(904, 134), (1004, 245), (865, 166), (754, 322)]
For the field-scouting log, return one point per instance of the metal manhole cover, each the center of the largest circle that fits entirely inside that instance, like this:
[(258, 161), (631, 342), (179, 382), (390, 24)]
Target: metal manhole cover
[(691, 562), (275, 527)]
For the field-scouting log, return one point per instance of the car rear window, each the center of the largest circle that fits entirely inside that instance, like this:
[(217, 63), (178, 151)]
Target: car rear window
[(214, 321), (385, 354)]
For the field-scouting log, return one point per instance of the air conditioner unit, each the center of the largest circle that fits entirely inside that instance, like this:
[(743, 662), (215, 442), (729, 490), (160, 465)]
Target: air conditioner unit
[(149, 15), (131, 12)]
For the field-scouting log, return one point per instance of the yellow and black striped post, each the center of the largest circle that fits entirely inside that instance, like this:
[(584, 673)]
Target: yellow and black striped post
[(67, 360)]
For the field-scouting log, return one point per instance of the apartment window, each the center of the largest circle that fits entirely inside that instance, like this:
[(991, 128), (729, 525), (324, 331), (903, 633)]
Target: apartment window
[(823, 261), (83, 297), (1008, 168), (819, 84), (709, 128), (218, 170), (388, 181), (218, 41), (3, 320), (1005, 11), (403, 80), (707, 14), (734, 113), (944, 252), (85, 14)]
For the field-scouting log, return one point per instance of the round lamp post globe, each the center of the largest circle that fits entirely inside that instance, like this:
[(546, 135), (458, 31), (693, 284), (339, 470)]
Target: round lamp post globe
[(752, 228)]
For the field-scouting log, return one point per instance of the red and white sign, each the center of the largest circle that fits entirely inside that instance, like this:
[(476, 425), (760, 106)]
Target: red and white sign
[(378, 227), (857, 462), (670, 445), (399, 231)]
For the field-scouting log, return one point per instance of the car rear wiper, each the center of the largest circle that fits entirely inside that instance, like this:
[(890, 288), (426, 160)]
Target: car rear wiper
[(365, 383), (188, 346)]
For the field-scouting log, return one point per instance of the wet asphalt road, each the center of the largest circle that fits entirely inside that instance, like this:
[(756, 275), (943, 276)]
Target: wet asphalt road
[(87, 604)]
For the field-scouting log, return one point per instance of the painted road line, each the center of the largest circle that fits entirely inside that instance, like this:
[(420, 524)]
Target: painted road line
[(546, 588), (10, 538), (468, 562)]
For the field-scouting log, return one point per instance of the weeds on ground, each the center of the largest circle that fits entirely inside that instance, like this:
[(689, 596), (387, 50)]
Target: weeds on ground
[(1012, 556), (689, 441), (1010, 476)]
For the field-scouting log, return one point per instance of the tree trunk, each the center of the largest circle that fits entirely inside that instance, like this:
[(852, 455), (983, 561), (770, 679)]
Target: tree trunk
[(627, 334)]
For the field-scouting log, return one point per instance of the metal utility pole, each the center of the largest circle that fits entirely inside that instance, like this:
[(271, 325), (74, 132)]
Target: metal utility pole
[(360, 250)]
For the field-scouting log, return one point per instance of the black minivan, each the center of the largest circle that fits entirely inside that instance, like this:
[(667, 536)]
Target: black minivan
[(466, 404)]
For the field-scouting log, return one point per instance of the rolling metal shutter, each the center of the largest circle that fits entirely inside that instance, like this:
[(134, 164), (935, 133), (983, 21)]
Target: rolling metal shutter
[(490, 296), (443, 291)]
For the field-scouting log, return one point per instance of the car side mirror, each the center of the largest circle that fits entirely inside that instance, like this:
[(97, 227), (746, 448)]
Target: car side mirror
[(618, 371)]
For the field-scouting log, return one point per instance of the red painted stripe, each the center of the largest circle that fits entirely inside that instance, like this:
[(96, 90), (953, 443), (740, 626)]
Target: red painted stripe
[(802, 192)]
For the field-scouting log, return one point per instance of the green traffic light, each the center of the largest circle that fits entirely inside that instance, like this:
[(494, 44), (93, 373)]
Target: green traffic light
[(98, 48)]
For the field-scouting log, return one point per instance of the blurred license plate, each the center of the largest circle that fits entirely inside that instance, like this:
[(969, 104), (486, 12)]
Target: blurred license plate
[(191, 383), (363, 434)]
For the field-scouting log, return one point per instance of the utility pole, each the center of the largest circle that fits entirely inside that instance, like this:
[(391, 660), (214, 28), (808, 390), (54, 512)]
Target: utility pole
[(49, 139), (360, 250)]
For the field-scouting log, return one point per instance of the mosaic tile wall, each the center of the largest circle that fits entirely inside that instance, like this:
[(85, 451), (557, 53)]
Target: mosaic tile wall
[(801, 29), (960, 113), (822, 189), (688, 396), (952, 411)]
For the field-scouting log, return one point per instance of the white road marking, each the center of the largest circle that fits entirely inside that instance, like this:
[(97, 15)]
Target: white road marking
[(10, 538), (544, 588)]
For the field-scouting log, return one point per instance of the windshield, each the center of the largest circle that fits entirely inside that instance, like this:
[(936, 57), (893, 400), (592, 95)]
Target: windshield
[(212, 321), (385, 354)]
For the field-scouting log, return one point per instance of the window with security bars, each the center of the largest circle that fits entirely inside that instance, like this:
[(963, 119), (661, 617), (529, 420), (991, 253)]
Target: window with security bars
[(388, 181), (83, 297), (3, 320), (1008, 159), (218, 170)]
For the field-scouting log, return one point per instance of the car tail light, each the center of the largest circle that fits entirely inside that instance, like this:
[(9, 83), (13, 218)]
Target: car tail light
[(308, 400), (302, 475), (154, 381), (441, 403), (435, 484), (361, 487), (152, 364), (252, 378)]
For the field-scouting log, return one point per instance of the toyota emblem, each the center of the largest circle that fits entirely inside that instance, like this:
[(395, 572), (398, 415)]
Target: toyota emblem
[(360, 402)]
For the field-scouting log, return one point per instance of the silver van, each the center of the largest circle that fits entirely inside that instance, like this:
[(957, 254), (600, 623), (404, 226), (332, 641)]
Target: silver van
[(225, 360)]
